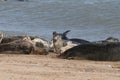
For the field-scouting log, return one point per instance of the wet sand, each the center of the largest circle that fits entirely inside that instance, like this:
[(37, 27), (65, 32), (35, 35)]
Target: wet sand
[(48, 67)]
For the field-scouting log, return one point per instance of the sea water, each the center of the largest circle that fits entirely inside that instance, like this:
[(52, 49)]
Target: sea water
[(87, 19)]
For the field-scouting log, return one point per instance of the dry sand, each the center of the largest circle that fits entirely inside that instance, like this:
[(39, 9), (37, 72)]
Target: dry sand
[(41, 67)]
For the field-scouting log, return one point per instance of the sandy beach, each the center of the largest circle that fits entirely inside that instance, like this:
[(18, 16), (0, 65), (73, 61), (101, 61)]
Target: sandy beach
[(48, 67)]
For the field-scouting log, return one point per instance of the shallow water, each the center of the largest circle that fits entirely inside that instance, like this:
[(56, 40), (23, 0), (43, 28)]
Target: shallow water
[(87, 19)]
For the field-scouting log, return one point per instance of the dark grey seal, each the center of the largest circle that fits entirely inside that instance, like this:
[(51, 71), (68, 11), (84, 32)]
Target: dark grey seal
[(109, 51)]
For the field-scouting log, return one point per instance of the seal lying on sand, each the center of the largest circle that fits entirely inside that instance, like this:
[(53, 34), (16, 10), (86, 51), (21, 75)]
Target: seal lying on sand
[(42, 43), (1, 37), (60, 40), (112, 39), (109, 39), (37, 41), (109, 51), (13, 38), (24, 45)]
